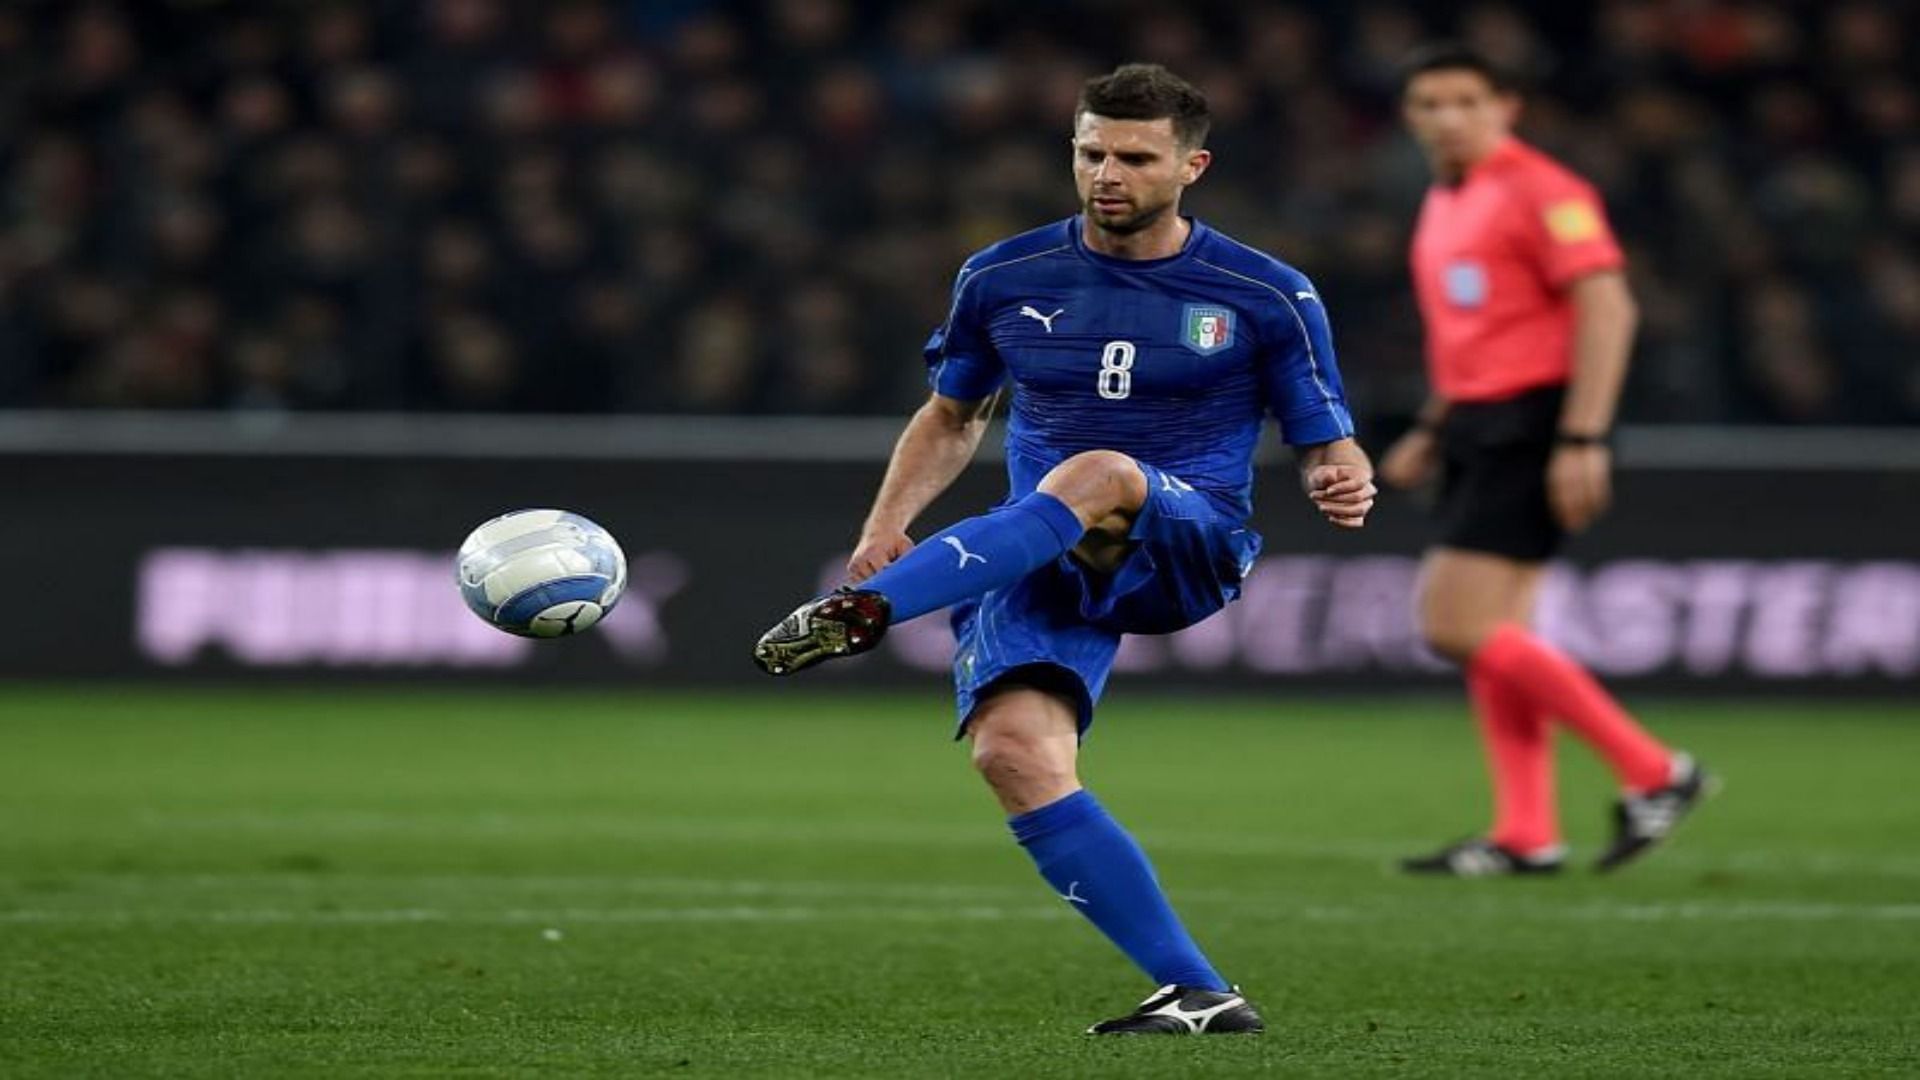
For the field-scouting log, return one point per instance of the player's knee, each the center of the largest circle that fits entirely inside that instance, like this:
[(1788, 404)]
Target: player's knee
[(1012, 761), (1455, 638), (1097, 483)]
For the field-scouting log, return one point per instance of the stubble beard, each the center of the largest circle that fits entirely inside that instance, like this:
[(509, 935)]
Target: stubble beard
[(1142, 218)]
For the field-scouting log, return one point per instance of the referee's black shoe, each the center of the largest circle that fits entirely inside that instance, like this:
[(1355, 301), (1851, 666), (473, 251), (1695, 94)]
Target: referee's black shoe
[(845, 622), (1186, 1010), (1480, 857), (1641, 821)]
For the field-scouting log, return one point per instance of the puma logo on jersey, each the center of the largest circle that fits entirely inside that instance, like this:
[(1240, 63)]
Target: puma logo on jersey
[(1072, 895), (1172, 483), (1032, 312), (954, 543), (1304, 295)]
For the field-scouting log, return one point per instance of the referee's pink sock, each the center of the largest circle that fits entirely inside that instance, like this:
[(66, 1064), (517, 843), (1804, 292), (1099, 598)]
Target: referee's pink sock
[(1556, 686), (1519, 744)]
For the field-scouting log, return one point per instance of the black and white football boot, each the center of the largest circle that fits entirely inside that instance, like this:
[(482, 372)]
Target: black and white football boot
[(1641, 821), (1480, 857), (1185, 1010), (845, 622)]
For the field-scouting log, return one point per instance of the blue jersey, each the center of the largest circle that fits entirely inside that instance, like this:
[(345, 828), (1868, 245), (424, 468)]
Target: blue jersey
[(1173, 362)]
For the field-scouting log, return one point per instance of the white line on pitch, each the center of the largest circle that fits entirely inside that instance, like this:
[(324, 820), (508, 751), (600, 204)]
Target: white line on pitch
[(522, 917), (1739, 911), (957, 834)]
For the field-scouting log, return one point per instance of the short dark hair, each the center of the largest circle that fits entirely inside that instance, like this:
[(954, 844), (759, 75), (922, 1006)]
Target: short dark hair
[(1148, 92), (1452, 56)]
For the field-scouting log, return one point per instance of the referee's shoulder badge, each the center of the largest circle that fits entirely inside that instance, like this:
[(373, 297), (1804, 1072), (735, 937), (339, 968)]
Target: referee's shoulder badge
[(1572, 221), (1206, 328)]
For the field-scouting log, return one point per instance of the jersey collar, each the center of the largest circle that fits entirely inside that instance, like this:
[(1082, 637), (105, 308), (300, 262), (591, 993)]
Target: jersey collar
[(1503, 151), (1076, 232)]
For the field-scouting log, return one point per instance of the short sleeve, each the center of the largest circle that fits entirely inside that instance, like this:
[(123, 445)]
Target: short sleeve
[(1299, 375), (961, 361), (1570, 234)]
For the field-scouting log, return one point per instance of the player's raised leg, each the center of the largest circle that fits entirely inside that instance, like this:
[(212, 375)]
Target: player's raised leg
[(1025, 744), (1098, 491)]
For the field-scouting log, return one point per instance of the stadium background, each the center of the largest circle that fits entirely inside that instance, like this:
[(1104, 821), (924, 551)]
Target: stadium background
[(292, 295), (753, 208)]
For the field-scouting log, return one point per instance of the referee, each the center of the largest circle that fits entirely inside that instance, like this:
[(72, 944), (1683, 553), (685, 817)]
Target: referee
[(1528, 324)]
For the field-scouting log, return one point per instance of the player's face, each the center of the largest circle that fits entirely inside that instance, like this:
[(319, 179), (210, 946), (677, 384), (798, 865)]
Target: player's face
[(1130, 173), (1457, 116)]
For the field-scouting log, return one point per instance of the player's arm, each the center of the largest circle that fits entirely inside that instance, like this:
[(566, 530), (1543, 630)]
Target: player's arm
[(1305, 393), (1338, 477), (938, 443), (966, 374), (1579, 477)]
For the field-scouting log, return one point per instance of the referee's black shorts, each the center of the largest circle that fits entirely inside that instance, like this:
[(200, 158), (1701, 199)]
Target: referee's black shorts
[(1493, 483)]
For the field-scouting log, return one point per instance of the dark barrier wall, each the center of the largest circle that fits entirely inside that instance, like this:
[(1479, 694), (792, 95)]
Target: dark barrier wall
[(303, 567)]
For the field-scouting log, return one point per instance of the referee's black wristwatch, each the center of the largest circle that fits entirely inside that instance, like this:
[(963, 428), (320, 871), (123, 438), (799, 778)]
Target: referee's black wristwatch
[(1578, 438)]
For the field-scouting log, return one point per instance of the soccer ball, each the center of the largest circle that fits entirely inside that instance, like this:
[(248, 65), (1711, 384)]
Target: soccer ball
[(541, 573)]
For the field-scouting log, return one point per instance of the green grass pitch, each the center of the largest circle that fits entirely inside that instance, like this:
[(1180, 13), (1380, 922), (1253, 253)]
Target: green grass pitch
[(358, 883)]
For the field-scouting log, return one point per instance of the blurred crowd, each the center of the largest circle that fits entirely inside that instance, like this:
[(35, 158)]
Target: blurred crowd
[(676, 205)]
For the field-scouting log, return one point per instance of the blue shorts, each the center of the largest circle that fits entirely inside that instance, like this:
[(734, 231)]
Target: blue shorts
[(1060, 626)]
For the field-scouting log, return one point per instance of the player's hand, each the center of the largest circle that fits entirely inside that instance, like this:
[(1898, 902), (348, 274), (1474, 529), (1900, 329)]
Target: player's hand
[(1412, 460), (877, 549), (1342, 493), (1579, 485)]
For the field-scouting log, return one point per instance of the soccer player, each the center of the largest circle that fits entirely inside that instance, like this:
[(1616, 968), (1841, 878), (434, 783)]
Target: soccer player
[(1529, 324), (1143, 349)]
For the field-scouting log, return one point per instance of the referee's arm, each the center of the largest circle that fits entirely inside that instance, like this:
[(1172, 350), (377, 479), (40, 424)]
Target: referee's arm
[(1604, 319), (1579, 478)]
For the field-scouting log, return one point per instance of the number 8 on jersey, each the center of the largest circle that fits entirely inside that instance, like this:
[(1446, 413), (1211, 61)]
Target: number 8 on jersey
[(1116, 371)]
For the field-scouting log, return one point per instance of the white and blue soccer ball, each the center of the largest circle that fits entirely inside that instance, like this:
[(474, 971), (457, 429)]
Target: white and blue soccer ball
[(541, 573)]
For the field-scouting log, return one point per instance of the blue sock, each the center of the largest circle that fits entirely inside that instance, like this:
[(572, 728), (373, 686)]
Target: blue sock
[(978, 555), (1095, 866)]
